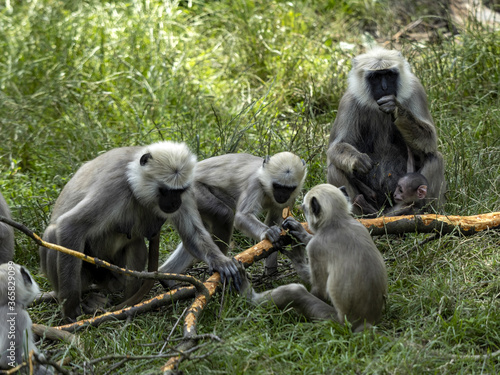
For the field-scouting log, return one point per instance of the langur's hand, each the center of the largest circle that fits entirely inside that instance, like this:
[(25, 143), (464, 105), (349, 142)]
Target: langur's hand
[(363, 163), (273, 234), (296, 230), (228, 269), (387, 104)]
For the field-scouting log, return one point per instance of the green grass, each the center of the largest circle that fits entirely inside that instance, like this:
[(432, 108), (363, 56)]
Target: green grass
[(79, 78)]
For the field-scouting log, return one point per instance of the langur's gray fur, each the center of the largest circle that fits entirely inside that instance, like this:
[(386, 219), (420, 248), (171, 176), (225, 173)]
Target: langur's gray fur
[(231, 190), (373, 141), (346, 271), (6, 234), (17, 291), (107, 209)]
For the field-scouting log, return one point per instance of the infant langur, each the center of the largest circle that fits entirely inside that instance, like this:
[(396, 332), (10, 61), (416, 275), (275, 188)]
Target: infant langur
[(346, 271), (231, 190), (410, 197), (17, 291)]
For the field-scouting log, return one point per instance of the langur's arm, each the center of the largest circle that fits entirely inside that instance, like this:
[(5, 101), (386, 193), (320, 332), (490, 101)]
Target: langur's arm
[(248, 207), (199, 243)]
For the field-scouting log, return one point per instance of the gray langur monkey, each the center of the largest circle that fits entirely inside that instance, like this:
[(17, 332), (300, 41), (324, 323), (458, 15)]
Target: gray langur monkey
[(231, 190), (110, 206), (17, 291), (383, 121), (346, 271), (409, 197), (6, 234)]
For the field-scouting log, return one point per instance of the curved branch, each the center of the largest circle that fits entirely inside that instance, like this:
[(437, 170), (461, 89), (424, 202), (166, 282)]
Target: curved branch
[(102, 263), (151, 304)]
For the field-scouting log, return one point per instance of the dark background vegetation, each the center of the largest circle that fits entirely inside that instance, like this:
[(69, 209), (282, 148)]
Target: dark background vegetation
[(78, 78)]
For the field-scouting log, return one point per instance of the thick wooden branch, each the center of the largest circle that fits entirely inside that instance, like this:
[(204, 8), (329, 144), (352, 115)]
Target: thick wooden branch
[(432, 223)]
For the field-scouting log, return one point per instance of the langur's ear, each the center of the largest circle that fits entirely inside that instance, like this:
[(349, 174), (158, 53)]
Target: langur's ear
[(145, 158), (315, 207), (26, 276), (422, 191), (303, 162), (266, 160)]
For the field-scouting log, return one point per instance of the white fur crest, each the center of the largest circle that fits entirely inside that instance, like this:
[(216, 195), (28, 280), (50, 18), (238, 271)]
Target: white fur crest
[(285, 169), (379, 58), (170, 164)]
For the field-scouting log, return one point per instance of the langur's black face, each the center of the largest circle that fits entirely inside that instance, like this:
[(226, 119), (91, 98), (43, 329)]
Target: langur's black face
[(282, 193), (383, 82), (170, 199)]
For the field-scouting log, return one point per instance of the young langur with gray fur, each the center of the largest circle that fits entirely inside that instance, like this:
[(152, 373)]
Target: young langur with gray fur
[(110, 206), (17, 291), (6, 234), (346, 271), (231, 190), (383, 120)]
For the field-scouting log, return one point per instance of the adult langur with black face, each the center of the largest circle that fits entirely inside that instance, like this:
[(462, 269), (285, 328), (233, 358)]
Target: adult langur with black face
[(6, 234), (346, 271), (231, 190), (107, 209), (383, 120)]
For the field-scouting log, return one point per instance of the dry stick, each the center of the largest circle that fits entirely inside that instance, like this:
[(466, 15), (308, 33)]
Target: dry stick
[(164, 299), (54, 334), (466, 225), (247, 257), (102, 263)]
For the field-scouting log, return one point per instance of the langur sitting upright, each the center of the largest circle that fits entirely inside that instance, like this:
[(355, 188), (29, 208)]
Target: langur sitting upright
[(17, 291), (231, 190), (346, 272), (6, 234), (107, 209), (383, 120)]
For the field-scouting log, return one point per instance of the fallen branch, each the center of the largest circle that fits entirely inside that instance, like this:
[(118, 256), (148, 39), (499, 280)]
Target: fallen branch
[(247, 257), (102, 263), (54, 334), (151, 304), (443, 224)]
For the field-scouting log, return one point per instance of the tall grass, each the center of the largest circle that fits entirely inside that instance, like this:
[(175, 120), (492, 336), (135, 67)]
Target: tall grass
[(79, 78)]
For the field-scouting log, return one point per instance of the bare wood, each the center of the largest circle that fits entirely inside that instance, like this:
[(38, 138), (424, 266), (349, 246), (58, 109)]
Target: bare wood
[(164, 299), (102, 263), (54, 334), (444, 224)]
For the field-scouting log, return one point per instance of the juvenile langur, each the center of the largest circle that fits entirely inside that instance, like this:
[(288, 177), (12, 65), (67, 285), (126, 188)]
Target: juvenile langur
[(383, 120), (107, 209), (17, 291), (6, 234), (231, 190), (346, 271)]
